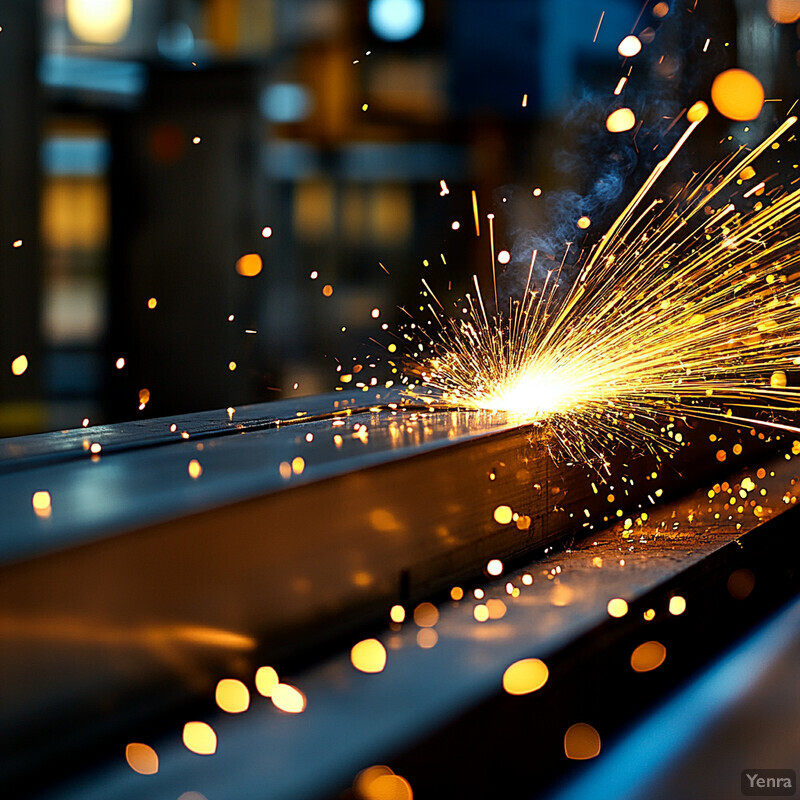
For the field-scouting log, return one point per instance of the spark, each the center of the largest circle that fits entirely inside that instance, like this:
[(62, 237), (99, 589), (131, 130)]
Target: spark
[(600, 22), (672, 314), (475, 213)]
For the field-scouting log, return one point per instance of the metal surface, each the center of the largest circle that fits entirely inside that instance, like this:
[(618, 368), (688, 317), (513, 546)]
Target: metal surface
[(142, 582), (437, 715)]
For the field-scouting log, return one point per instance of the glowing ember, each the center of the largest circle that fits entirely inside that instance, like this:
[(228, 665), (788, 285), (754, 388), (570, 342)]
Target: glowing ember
[(623, 119), (200, 738), (249, 265), (19, 365), (141, 758), (629, 46), (737, 94), (368, 655), (784, 11), (583, 223)]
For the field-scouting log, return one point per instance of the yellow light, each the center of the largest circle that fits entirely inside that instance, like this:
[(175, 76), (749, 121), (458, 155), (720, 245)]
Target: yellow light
[(617, 607), (778, 380), (232, 696), (581, 741), (141, 758), (697, 112), (583, 223), (648, 656), (495, 567), (266, 681), (623, 119), (41, 504), (298, 465), (397, 614), (249, 265), (677, 605), (737, 94), (650, 614), (200, 738), (426, 615), (503, 514), (195, 468), (231, 365), (19, 365), (480, 612), (152, 303), (99, 21), (288, 698), (369, 656), (456, 593), (747, 173), (629, 46), (784, 11), (525, 676)]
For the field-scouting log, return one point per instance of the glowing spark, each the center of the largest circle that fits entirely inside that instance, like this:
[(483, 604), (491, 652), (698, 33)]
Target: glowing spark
[(600, 22), (671, 314), (620, 85), (475, 213)]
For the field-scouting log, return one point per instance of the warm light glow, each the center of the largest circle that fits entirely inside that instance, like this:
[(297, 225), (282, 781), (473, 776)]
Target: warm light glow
[(503, 257), (41, 504), (200, 738), (648, 656), (99, 21), (496, 608), (778, 380), (195, 468), (660, 10), (495, 567), (427, 638), (389, 787), (364, 780), (266, 681), (456, 593), (737, 94), (232, 366), (784, 11), (141, 758), (526, 676), (266, 232), (426, 615), (623, 119), (288, 698), (120, 363), (581, 741), (368, 655), (397, 614), (677, 605), (480, 612), (583, 223), (629, 46), (697, 112), (249, 265), (19, 365), (617, 607), (503, 514), (144, 396), (232, 696), (327, 290)]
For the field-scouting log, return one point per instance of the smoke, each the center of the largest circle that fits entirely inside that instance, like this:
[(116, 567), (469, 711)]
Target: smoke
[(600, 170)]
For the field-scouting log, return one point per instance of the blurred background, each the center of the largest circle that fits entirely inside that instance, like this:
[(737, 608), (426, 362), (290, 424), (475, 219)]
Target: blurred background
[(205, 203)]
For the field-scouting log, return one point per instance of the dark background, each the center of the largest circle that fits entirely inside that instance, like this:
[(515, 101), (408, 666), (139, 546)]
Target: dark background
[(115, 204)]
